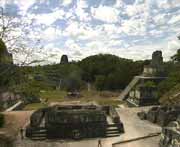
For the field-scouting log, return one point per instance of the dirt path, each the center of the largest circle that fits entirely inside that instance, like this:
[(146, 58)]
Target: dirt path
[(14, 120), (135, 127)]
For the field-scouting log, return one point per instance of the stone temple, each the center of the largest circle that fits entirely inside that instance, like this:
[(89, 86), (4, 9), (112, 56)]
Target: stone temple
[(142, 90), (64, 59)]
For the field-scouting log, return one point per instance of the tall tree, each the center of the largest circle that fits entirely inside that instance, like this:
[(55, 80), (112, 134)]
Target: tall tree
[(15, 31)]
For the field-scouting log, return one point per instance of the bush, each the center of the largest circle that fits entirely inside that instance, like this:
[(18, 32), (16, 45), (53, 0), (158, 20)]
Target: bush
[(1, 120)]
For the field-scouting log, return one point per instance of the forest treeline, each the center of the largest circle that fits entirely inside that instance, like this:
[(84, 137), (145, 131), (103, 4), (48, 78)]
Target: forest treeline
[(102, 72)]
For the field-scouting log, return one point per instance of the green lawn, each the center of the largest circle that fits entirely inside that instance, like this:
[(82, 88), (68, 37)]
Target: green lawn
[(34, 106), (102, 98), (53, 96)]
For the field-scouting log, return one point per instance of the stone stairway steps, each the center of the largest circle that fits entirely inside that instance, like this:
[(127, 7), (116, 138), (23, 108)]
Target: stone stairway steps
[(129, 87), (112, 130), (39, 134)]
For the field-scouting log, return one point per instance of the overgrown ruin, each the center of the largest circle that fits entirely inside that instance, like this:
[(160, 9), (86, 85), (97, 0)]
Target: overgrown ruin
[(75, 122), (170, 136), (142, 90), (161, 115)]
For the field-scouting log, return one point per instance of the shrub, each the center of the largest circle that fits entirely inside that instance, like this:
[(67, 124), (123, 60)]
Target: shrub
[(1, 120)]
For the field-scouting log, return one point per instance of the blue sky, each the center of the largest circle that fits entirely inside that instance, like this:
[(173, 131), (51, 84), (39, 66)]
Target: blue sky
[(79, 28)]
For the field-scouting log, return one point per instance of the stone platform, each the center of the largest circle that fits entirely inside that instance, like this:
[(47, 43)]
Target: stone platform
[(134, 127)]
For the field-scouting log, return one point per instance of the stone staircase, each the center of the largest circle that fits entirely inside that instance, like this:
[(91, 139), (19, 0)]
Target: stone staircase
[(112, 130), (39, 134), (129, 87)]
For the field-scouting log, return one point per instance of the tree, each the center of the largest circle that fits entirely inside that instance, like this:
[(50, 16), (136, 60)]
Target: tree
[(109, 72), (15, 32), (176, 57), (168, 84), (15, 38)]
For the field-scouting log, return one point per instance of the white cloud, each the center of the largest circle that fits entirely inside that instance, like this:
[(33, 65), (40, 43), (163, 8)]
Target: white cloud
[(50, 34), (119, 4), (110, 28), (134, 27), (129, 30), (168, 4), (175, 3), (161, 19), (24, 5), (72, 29), (105, 13), (49, 18), (88, 33), (133, 10), (140, 52), (82, 3), (71, 44), (173, 44), (155, 32), (174, 19), (66, 2), (163, 4), (83, 16), (81, 31), (137, 2)]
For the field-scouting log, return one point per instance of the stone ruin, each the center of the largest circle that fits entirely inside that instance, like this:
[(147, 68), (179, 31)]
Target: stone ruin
[(170, 136), (169, 119), (155, 68), (70, 121), (160, 115), (64, 59), (157, 59), (142, 90)]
